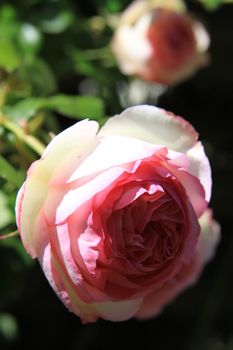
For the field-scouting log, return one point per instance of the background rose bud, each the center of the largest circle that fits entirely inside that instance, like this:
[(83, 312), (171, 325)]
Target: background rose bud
[(118, 218), (160, 42)]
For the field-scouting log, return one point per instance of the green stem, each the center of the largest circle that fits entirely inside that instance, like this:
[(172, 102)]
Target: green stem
[(4, 89), (29, 140), (9, 235)]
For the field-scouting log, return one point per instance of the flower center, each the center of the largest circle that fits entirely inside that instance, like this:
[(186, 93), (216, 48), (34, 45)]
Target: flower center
[(172, 38), (152, 239)]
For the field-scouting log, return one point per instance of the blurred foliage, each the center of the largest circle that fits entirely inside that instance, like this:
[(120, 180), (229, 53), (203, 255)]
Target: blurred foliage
[(8, 327), (56, 67), (214, 4)]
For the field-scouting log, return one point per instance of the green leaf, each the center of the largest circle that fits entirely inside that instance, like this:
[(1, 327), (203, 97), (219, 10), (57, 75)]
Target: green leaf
[(25, 109), (75, 107), (214, 4), (85, 67), (9, 173), (9, 57), (7, 13), (78, 106), (40, 77), (5, 217), (111, 5)]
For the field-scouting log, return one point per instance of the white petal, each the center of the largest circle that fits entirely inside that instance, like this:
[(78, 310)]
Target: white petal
[(109, 310), (209, 238), (154, 125), (34, 195), (118, 311), (113, 151), (131, 48), (81, 137), (200, 167), (202, 37)]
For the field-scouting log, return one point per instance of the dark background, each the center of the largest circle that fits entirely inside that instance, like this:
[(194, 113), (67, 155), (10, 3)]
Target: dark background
[(202, 317)]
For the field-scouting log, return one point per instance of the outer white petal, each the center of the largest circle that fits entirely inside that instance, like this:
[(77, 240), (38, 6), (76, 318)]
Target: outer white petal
[(109, 310), (154, 125), (81, 136), (139, 7), (113, 151), (200, 167), (131, 47), (202, 37), (78, 136), (75, 198), (118, 311), (209, 238), (35, 191)]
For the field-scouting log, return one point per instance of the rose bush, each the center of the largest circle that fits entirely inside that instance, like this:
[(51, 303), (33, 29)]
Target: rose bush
[(159, 41), (118, 218)]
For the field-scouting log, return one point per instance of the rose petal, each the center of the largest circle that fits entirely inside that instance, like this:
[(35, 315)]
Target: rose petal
[(80, 136), (209, 238), (73, 199), (154, 125), (154, 303), (202, 37), (18, 204), (193, 164), (102, 158), (114, 151), (139, 7), (35, 188), (114, 311), (63, 287), (68, 148), (193, 189), (74, 136), (131, 49), (118, 311), (200, 167)]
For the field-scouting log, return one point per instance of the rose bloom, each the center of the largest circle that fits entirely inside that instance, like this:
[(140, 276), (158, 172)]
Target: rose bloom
[(118, 217), (160, 42)]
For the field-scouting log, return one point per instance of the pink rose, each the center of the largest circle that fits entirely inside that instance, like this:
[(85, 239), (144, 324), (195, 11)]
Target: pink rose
[(117, 217), (160, 42)]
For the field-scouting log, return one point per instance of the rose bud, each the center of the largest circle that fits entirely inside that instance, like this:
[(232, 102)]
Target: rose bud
[(160, 42), (118, 218)]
